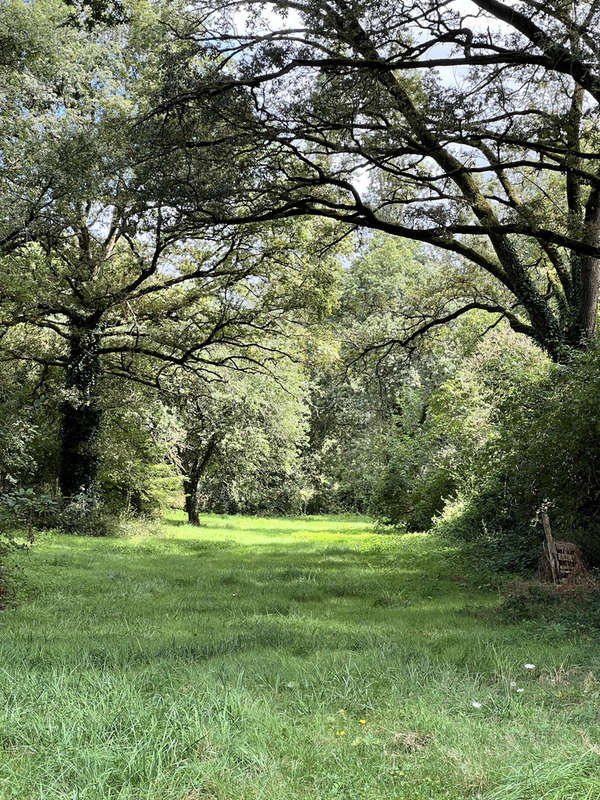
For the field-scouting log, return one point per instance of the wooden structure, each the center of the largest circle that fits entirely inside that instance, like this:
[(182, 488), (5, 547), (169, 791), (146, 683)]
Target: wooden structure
[(561, 561)]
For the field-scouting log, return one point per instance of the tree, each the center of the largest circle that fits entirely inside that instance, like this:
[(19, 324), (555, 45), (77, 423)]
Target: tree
[(243, 440), (367, 394), (355, 382), (125, 284), (446, 440), (28, 423), (479, 131)]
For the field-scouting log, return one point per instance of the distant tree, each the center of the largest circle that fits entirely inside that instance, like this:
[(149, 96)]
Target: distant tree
[(28, 424), (242, 442), (138, 437), (365, 389)]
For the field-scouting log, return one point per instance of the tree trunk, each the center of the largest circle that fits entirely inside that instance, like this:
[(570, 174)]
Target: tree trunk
[(194, 469), (588, 319), (80, 416), (190, 487)]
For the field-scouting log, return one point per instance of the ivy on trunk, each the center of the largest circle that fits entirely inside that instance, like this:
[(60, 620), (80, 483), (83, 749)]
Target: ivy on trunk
[(81, 415)]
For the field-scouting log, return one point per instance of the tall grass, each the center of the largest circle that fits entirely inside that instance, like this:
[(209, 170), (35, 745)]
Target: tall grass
[(303, 659)]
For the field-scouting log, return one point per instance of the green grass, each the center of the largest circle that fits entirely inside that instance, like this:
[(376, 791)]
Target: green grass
[(197, 664)]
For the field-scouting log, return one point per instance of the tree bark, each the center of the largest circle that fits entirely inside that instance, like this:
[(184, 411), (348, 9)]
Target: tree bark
[(80, 416), (192, 504), (588, 318), (191, 481)]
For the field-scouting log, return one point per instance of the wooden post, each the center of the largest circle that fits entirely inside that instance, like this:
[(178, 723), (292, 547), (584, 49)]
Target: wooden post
[(550, 547)]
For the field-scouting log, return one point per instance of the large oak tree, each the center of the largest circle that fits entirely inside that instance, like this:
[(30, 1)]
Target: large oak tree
[(472, 127), (122, 282)]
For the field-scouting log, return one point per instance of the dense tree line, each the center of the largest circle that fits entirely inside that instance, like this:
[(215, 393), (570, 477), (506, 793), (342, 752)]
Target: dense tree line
[(301, 257)]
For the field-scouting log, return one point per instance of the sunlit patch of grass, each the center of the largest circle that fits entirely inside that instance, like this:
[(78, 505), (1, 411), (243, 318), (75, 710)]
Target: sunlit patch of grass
[(285, 658)]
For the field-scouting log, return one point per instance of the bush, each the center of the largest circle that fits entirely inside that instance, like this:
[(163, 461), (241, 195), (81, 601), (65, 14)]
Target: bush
[(7, 575), (413, 487), (450, 451), (545, 446), (504, 434), (493, 539), (548, 447), (28, 509), (21, 511), (84, 515)]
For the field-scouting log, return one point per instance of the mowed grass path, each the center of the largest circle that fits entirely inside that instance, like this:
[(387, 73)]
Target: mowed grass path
[(306, 659)]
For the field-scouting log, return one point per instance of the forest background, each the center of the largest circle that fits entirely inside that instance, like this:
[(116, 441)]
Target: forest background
[(298, 258)]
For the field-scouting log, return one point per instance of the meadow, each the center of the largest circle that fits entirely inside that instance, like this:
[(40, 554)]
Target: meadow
[(286, 659)]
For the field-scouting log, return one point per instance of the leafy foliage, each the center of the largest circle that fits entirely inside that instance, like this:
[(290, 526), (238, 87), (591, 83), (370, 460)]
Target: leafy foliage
[(504, 433), (201, 294), (479, 139), (242, 440), (547, 448)]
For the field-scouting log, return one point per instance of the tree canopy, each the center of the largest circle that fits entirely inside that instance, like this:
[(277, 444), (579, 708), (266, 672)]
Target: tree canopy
[(472, 128), (123, 283)]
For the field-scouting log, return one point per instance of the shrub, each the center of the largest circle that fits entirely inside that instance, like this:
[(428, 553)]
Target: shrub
[(7, 575), (450, 450), (84, 515), (493, 539), (544, 445), (412, 489), (21, 511), (505, 433), (548, 447), (28, 509)]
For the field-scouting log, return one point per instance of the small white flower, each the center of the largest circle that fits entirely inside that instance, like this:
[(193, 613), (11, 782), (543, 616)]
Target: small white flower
[(520, 690), (529, 666), (475, 704)]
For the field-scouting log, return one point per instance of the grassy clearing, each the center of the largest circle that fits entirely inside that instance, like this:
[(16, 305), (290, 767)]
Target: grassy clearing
[(238, 661)]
